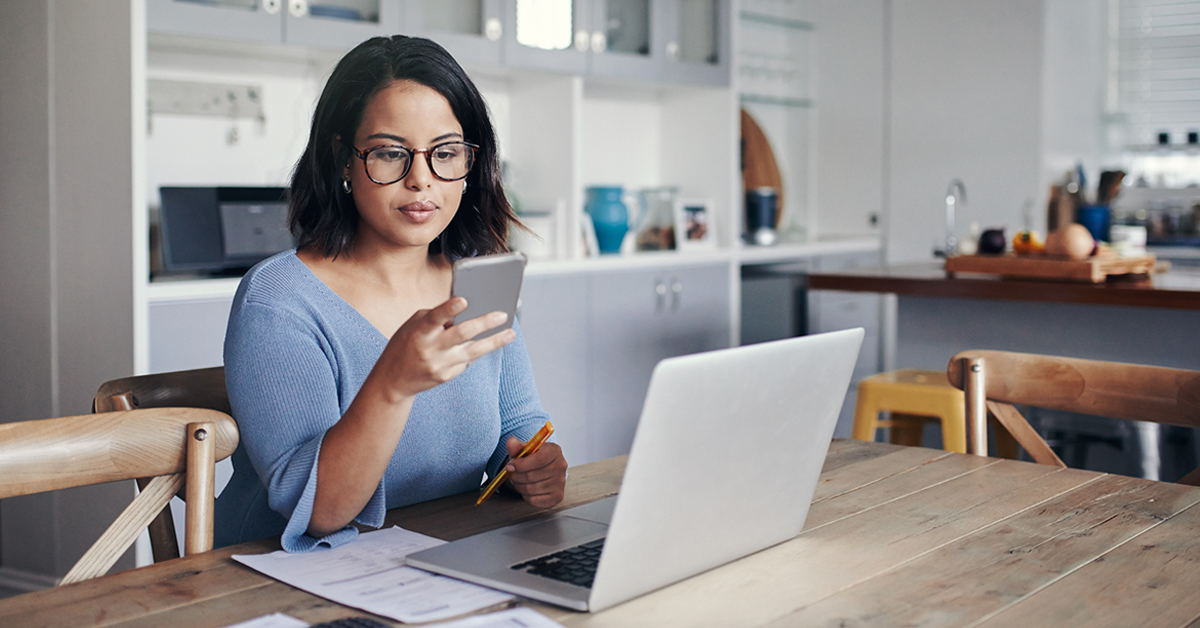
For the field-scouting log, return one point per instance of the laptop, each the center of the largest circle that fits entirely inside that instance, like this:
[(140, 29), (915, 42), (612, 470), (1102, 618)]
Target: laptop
[(724, 462)]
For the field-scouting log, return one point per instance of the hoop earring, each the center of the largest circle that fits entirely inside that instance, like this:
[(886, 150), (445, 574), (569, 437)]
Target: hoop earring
[(346, 185), (464, 187)]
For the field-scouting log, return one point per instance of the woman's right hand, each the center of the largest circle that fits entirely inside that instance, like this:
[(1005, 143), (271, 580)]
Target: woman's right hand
[(429, 349)]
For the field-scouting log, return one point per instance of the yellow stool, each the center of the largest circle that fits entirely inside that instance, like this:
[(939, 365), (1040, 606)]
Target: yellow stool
[(914, 397)]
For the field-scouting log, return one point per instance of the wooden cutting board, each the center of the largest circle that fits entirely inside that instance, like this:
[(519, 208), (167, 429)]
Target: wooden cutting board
[(1093, 269), (759, 168)]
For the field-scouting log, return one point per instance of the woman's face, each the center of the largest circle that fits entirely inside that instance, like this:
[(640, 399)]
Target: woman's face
[(416, 209)]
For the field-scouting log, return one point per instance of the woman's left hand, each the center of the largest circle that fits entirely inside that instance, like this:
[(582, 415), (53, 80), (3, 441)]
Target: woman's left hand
[(540, 477)]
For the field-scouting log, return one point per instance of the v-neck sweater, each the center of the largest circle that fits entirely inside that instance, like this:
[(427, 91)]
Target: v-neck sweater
[(296, 354)]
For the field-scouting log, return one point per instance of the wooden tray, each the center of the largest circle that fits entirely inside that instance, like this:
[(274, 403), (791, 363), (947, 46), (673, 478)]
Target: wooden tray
[(1094, 269)]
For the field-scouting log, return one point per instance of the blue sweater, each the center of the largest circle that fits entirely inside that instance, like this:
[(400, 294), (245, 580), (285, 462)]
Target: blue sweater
[(296, 355)]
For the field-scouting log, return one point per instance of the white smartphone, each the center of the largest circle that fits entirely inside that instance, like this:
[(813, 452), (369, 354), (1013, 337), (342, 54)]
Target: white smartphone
[(489, 283)]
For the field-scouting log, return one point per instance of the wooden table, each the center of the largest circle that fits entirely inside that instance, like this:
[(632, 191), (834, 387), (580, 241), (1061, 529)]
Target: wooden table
[(896, 536)]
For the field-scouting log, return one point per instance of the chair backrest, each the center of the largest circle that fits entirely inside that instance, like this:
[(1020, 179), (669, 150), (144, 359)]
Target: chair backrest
[(994, 380), (174, 446), (198, 388)]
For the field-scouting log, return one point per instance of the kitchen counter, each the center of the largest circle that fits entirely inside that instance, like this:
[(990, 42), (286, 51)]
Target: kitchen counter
[(1177, 289), (1150, 320)]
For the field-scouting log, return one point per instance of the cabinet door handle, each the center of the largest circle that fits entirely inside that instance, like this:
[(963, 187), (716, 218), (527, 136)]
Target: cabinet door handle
[(581, 40), (660, 301), (673, 51), (493, 30), (599, 42), (298, 8), (270, 7), (676, 294)]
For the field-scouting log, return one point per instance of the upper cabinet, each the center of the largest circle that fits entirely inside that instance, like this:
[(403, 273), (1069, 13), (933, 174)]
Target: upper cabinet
[(698, 48), (340, 24), (672, 40), (245, 20), (472, 30), (678, 41), (337, 24)]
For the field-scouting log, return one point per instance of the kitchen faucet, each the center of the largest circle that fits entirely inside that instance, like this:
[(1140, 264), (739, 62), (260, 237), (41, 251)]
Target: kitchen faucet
[(956, 194)]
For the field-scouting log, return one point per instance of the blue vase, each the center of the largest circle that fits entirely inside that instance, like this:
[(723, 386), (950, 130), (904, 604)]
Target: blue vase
[(609, 215)]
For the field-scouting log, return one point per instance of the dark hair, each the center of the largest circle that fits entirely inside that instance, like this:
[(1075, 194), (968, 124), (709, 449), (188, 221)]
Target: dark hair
[(321, 215)]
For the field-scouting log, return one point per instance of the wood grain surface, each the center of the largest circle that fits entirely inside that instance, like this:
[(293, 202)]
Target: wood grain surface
[(1177, 289), (896, 536), (1092, 270)]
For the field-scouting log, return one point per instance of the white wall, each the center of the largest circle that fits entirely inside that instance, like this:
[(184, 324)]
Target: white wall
[(965, 101), (1073, 91), (66, 304), (850, 103)]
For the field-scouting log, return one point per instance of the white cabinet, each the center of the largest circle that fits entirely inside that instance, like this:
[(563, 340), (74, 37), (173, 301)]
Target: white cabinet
[(831, 310), (472, 30), (337, 24), (594, 339), (686, 41), (553, 314)]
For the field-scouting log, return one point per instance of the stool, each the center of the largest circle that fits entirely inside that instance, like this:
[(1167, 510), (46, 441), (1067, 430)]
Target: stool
[(914, 397)]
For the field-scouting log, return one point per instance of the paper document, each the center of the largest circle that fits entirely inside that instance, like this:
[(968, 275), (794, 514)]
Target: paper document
[(274, 620), (369, 573), (513, 618)]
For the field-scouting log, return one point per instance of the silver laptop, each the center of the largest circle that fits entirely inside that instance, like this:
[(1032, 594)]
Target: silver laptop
[(724, 463)]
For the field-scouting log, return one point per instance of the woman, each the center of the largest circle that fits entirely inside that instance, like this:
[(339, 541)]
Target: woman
[(352, 391)]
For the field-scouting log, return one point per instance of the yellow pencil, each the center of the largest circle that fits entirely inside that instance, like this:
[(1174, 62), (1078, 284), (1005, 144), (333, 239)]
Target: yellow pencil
[(530, 447)]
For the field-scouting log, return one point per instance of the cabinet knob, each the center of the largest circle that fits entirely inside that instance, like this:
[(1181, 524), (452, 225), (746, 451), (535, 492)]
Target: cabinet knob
[(493, 29), (676, 294), (599, 42), (581, 40), (298, 8), (270, 7), (673, 50), (660, 291)]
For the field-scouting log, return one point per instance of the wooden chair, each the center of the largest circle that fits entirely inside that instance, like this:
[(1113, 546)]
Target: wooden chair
[(994, 380), (174, 446), (198, 388)]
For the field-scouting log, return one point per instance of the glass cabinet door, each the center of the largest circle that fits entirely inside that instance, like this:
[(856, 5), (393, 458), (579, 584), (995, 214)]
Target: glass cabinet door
[(698, 46), (245, 20), (340, 24), (472, 30), (548, 34), (624, 41)]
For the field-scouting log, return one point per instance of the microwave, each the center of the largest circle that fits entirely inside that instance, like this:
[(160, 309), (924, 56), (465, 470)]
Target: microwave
[(222, 230)]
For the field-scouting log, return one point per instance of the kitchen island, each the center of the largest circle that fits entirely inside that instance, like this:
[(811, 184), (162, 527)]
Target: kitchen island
[(1146, 320)]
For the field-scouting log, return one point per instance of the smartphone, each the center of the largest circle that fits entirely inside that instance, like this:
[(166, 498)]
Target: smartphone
[(489, 283)]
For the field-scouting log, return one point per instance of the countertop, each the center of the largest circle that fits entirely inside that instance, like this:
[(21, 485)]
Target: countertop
[(1178, 288)]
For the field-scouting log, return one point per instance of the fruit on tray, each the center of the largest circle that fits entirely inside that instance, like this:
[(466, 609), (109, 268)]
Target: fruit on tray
[(1073, 241), (1027, 241), (992, 242)]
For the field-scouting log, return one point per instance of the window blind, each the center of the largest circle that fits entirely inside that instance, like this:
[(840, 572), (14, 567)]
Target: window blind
[(1155, 69)]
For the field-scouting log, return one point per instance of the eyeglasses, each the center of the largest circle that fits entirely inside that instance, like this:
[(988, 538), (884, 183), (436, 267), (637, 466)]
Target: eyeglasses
[(388, 164)]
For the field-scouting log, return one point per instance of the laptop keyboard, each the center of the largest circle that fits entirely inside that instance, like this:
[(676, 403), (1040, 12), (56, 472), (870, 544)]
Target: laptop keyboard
[(574, 565)]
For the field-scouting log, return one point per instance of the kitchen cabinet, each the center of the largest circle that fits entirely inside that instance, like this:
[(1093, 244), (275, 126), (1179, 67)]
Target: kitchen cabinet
[(340, 24), (553, 314), (640, 317), (335, 24), (833, 310), (685, 41), (594, 339), (472, 30), (259, 21)]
